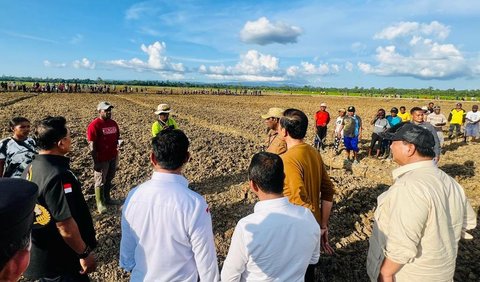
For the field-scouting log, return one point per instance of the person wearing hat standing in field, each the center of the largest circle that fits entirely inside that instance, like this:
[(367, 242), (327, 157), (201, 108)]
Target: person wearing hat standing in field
[(322, 118), (103, 135), (471, 124), (438, 120), (64, 236), (338, 132), (164, 120), (16, 218), (421, 217), (275, 142), (456, 119), (352, 133)]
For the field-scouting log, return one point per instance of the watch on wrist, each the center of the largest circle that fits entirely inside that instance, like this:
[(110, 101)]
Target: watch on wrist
[(85, 253)]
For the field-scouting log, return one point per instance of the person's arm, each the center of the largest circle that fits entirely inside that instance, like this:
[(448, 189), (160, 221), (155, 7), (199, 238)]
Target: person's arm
[(203, 246), (449, 117), (68, 229), (388, 270), (326, 191), (360, 128), (294, 187), (236, 260), (469, 221)]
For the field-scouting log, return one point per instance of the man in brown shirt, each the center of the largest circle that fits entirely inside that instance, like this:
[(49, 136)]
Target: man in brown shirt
[(306, 180), (274, 142)]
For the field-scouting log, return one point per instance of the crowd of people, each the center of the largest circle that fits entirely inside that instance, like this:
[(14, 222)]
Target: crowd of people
[(167, 228)]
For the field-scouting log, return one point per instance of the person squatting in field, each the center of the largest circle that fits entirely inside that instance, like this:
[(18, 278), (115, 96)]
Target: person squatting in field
[(17, 151)]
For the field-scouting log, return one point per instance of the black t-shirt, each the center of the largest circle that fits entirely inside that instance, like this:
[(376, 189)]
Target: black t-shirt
[(59, 198)]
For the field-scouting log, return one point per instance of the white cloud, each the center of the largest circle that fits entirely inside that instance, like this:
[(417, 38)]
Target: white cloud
[(349, 66), (76, 39), (157, 60), (358, 47), (136, 11), (246, 77), (264, 32), (292, 70), (83, 64), (406, 29), (254, 62), (418, 56), (49, 64)]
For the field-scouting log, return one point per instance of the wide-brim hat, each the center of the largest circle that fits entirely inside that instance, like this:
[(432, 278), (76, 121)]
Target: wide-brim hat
[(163, 109), (273, 112)]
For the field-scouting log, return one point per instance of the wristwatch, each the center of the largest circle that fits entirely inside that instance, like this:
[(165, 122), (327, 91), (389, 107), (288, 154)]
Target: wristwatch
[(85, 253)]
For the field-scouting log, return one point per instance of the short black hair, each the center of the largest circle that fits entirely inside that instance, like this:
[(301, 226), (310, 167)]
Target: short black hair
[(7, 251), (16, 121), (170, 148), (49, 131), (295, 123), (403, 107), (266, 170), (415, 109)]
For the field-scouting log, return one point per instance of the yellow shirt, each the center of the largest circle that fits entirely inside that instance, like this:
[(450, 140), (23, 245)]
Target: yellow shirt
[(457, 116), (405, 117), (306, 179)]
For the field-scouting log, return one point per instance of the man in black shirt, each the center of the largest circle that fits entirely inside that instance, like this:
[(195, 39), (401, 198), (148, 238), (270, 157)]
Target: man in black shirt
[(64, 236)]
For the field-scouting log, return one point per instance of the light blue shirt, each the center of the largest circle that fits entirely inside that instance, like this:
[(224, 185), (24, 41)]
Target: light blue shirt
[(167, 232)]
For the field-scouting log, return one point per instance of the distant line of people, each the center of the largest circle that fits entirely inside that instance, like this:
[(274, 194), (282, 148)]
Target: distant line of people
[(167, 228)]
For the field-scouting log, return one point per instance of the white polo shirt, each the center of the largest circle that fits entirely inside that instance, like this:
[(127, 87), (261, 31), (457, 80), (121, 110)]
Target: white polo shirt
[(275, 243), (167, 232)]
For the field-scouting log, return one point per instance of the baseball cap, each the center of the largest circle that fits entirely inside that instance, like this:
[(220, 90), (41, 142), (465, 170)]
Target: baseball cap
[(104, 106), (351, 109), (162, 109), (273, 112), (16, 208), (394, 110), (411, 133), (323, 104)]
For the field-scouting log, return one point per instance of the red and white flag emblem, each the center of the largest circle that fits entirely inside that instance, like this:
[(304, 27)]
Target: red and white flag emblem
[(67, 188)]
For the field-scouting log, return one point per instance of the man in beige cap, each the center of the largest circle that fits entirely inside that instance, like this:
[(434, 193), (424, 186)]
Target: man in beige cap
[(164, 120), (274, 142)]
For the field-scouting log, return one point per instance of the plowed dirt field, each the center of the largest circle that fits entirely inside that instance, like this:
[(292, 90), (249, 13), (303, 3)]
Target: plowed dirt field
[(225, 131)]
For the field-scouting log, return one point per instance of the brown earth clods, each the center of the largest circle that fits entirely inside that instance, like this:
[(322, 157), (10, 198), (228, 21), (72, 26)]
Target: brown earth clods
[(225, 131)]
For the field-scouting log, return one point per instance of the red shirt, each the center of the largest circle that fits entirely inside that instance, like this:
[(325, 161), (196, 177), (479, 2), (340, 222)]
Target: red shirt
[(322, 118), (105, 135)]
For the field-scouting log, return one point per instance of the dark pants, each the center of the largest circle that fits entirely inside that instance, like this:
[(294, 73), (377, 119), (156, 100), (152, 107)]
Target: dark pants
[(321, 133), (70, 277), (376, 139), (310, 274), (456, 127)]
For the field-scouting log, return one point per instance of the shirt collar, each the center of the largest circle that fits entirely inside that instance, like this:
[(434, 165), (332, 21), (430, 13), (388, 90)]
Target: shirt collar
[(170, 177), (270, 204), (396, 173)]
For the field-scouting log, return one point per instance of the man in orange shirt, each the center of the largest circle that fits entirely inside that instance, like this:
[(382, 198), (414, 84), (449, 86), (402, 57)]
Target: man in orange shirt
[(306, 180)]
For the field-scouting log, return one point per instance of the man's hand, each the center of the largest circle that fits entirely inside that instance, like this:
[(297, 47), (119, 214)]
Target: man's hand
[(324, 242), (88, 264)]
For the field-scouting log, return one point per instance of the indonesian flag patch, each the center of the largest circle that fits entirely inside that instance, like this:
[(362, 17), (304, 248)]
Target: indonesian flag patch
[(67, 188)]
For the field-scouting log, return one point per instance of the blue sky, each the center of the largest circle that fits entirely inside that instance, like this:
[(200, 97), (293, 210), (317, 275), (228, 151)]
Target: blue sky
[(407, 44)]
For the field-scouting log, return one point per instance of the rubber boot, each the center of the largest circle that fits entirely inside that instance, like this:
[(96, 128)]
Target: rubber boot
[(99, 199), (108, 199)]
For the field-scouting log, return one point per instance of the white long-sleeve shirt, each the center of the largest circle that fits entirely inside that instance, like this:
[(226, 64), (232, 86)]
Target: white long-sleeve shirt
[(167, 232), (275, 243)]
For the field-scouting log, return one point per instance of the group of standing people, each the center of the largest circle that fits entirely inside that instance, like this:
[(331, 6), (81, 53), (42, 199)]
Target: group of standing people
[(167, 228)]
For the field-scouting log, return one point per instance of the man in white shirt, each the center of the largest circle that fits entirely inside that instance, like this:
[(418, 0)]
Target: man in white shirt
[(421, 217), (166, 227), (279, 240), (471, 124)]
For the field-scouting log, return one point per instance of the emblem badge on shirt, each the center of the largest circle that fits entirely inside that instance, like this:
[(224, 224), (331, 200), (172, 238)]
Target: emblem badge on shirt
[(67, 188), (109, 130), (42, 216)]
